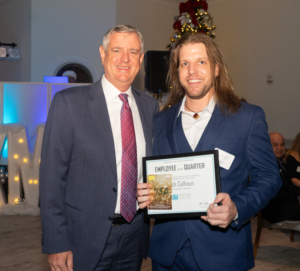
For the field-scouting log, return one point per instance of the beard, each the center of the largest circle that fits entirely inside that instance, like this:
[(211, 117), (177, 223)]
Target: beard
[(205, 90)]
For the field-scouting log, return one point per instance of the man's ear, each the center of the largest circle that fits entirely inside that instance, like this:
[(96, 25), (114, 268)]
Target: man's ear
[(216, 70), (102, 54), (141, 59)]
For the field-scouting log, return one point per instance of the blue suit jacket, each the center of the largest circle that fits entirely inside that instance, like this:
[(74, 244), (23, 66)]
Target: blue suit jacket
[(78, 175), (244, 135)]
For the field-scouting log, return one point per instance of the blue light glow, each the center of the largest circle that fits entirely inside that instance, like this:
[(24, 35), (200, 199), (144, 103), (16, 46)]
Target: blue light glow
[(4, 151), (25, 104), (56, 79)]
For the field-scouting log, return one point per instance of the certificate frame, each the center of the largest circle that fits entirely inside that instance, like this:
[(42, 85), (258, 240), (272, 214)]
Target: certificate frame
[(214, 185)]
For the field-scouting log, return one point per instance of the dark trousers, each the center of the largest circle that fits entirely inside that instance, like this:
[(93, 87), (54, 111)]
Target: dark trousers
[(123, 249), (184, 261)]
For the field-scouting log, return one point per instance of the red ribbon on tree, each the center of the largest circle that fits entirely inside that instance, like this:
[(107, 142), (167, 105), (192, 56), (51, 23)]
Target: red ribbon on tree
[(193, 17), (177, 25)]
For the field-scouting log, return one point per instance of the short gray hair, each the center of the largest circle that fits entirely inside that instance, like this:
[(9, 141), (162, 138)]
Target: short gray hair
[(122, 29)]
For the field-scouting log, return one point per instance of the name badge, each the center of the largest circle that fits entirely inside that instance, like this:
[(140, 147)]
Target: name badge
[(225, 159), (298, 169)]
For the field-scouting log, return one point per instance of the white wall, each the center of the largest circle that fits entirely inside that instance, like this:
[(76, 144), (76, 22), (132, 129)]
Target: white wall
[(153, 19), (15, 26), (58, 29), (259, 37), (68, 27)]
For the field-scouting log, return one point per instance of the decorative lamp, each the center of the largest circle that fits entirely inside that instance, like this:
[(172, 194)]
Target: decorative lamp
[(13, 54), (2, 53)]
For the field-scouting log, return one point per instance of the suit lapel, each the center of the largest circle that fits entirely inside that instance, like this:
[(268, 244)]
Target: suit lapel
[(212, 130), (99, 112), (171, 119), (181, 140), (142, 107)]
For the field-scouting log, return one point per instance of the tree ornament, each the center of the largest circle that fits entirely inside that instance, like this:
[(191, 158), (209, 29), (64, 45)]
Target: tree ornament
[(185, 18), (193, 17)]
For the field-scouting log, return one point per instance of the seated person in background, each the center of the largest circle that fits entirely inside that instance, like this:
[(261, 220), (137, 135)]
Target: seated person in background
[(293, 163), (72, 76), (285, 205)]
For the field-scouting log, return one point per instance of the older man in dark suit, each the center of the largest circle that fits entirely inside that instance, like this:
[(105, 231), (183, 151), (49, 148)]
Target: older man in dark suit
[(94, 141)]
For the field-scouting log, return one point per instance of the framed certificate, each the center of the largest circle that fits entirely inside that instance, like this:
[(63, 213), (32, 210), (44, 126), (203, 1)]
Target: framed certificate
[(183, 185)]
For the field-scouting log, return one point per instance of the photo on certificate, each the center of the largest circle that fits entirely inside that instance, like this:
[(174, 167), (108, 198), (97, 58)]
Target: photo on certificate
[(182, 185), (161, 192)]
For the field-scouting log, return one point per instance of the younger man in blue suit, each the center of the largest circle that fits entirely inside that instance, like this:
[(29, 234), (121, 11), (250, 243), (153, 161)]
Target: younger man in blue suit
[(205, 115)]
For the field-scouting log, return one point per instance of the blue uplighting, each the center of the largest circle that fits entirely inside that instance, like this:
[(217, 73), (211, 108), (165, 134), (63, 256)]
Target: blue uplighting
[(25, 104), (56, 79)]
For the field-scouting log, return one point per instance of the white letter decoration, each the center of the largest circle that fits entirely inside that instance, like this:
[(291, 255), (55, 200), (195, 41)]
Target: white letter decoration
[(21, 166)]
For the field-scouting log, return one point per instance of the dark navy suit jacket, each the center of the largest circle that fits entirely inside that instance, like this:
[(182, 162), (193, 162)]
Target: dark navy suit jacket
[(78, 175), (244, 135)]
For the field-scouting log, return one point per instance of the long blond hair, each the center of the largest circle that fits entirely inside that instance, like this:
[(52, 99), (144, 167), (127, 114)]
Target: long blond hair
[(295, 146), (227, 101)]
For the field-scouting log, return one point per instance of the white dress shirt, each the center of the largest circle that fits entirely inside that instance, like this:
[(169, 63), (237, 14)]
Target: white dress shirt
[(194, 128), (114, 105)]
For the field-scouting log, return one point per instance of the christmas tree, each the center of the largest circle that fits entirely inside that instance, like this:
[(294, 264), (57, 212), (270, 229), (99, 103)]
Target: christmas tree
[(193, 18)]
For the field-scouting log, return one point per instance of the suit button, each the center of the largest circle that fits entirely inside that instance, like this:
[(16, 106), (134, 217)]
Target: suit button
[(110, 218), (114, 189)]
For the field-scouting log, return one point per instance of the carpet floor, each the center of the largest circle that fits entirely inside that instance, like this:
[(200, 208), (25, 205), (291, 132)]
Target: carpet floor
[(20, 247)]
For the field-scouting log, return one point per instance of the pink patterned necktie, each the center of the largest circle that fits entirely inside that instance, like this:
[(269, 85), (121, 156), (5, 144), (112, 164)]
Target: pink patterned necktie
[(129, 162)]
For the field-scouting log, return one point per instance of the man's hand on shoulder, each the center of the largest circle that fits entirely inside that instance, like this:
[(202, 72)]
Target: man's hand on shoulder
[(222, 215), (61, 261)]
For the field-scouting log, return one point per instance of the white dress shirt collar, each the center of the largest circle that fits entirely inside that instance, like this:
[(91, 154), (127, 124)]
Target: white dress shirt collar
[(209, 108), (111, 92)]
